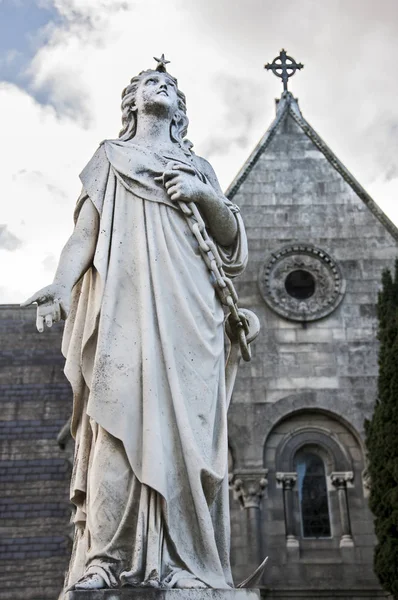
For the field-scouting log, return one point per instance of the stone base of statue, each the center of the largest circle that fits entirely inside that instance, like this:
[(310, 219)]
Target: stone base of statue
[(156, 594)]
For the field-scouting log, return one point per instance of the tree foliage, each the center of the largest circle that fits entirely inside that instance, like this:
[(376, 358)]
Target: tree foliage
[(382, 439)]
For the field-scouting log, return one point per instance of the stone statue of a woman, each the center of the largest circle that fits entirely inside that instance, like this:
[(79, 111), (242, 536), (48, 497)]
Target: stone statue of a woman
[(144, 352)]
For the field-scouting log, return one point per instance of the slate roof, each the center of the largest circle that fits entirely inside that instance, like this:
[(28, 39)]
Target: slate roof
[(288, 106)]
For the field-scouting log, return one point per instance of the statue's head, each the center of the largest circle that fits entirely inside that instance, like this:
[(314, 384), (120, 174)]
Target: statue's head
[(153, 87)]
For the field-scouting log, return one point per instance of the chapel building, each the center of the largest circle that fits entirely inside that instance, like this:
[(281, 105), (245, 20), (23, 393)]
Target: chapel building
[(317, 247), (318, 244)]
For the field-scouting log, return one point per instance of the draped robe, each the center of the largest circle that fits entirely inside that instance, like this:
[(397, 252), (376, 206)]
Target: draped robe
[(145, 357)]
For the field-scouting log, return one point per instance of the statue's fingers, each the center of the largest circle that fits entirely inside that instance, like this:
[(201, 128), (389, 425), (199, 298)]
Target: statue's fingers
[(34, 298), (45, 308), (49, 320), (172, 190), (172, 182), (171, 165), (176, 195), (168, 175), (56, 311), (184, 168), (39, 322), (41, 297)]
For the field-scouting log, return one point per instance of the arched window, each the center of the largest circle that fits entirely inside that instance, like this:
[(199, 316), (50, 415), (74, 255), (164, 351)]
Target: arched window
[(313, 495)]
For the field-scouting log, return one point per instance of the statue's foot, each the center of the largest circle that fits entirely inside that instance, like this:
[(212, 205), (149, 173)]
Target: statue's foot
[(152, 583), (188, 583), (91, 582)]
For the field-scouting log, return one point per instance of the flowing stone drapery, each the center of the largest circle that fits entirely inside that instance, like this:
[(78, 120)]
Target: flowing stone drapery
[(145, 357)]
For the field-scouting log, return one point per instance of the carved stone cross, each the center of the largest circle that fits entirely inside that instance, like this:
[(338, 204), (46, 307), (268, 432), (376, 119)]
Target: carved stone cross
[(283, 66)]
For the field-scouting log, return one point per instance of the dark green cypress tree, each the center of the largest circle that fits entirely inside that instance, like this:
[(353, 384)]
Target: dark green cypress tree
[(382, 439)]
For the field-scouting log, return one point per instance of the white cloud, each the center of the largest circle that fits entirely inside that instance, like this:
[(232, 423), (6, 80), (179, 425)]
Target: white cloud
[(8, 241), (50, 263), (217, 49), (386, 192)]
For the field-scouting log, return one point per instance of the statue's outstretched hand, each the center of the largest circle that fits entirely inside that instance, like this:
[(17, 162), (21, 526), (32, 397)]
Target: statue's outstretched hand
[(52, 305)]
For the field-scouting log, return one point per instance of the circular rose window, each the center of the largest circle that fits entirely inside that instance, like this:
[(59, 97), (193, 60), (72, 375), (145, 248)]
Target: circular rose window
[(301, 283)]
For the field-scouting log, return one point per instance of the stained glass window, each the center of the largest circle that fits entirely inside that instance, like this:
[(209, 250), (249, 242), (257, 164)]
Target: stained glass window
[(313, 495)]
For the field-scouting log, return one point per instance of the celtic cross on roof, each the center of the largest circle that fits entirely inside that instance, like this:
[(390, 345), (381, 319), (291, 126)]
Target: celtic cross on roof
[(283, 66)]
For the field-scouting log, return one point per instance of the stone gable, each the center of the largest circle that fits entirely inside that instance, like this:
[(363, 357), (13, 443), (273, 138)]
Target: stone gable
[(294, 195)]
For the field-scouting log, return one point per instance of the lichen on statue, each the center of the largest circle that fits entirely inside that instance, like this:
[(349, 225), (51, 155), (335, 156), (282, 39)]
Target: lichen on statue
[(144, 349)]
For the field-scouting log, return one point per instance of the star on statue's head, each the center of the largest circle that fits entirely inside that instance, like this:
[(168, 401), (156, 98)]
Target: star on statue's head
[(162, 62)]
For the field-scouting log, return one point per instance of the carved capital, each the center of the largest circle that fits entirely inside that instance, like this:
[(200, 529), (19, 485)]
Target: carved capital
[(340, 478), (248, 486), (287, 480)]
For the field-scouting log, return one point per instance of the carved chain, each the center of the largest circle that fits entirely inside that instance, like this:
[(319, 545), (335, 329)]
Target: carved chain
[(237, 321)]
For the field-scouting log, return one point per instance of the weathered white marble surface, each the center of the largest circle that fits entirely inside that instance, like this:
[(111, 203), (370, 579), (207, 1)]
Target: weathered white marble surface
[(144, 348)]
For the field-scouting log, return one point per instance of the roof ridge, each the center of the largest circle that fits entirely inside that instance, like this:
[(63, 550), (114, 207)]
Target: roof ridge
[(248, 165)]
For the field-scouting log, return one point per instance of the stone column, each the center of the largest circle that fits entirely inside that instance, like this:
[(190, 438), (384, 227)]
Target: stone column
[(340, 480), (248, 486), (288, 481)]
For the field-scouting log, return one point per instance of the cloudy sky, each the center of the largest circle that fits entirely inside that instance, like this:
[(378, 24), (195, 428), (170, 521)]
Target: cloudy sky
[(63, 64)]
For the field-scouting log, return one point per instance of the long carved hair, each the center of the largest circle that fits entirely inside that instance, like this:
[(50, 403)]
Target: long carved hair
[(179, 124)]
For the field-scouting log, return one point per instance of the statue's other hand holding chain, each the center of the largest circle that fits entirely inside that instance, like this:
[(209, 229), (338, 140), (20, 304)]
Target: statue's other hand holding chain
[(183, 184)]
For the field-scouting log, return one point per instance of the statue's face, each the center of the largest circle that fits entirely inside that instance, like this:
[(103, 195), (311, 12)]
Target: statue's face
[(156, 91)]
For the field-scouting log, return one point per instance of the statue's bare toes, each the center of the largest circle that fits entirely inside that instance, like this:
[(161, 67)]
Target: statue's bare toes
[(91, 582)]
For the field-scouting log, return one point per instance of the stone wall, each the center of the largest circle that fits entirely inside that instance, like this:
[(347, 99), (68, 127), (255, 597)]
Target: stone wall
[(35, 401)]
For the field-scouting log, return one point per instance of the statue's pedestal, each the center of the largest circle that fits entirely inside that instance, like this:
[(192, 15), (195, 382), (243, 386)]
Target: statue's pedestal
[(153, 594)]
